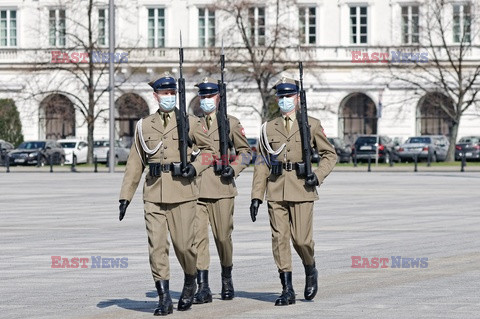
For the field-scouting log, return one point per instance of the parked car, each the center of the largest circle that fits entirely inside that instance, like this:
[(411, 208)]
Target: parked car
[(5, 148), (74, 148), (30, 152), (468, 146), (344, 152), (101, 148), (253, 143), (365, 147), (422, 146)]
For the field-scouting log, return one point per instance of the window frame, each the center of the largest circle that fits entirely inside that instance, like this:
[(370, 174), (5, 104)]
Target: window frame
[(304, 35), (156, 28), (8, 28), (358, 25), (105, 27), (463, 36), (209, 14), (256, 39), (410, 34), (57, 19)]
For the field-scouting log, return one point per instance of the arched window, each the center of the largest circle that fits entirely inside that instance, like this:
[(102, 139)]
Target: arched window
[(432, 119), (130, 108), (56, 117), (358, 115)]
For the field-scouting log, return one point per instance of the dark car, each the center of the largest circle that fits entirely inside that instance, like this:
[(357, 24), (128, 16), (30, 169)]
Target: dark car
[(468, 146), (30, 152), (344, 152), (365, 147), (5, 148), (253, 142)]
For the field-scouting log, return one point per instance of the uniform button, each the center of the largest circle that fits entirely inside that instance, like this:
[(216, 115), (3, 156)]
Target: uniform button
[(165, 157), (288, 140), (165, 147), (288, 150)]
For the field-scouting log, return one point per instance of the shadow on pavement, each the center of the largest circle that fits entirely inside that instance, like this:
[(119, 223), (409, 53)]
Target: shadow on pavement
[(137, 305), (261, 296)]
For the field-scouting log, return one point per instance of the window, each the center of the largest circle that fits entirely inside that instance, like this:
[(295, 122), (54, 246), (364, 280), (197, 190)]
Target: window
[(358, 25), (410, 33), (461, 23), (156, 27), (8, 28), (308, 25), (256, 25), (206, 27), (102, 27), (57, 27)]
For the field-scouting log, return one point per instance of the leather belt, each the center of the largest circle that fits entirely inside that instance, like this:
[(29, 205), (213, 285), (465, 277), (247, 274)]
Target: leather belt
[(156, 169)]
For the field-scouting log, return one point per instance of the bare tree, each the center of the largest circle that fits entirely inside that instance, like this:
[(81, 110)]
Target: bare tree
[(83, 64), (261, 52), (450, 79)]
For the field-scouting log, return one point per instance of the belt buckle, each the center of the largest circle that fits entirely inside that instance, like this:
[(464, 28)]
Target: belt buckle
[(165, 168), (288, 166)]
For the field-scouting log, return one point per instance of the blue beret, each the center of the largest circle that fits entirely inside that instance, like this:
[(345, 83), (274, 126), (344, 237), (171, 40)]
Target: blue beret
[(207, 87), (286, 86), (166, 82)]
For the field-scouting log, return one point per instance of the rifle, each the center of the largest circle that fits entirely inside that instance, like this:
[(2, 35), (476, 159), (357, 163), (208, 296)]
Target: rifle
[(222, 121), (182, 118), (309, 155)]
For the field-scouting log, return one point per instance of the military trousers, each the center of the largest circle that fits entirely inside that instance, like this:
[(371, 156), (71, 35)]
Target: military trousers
[(179, 220), (219, 214), (291, 221)]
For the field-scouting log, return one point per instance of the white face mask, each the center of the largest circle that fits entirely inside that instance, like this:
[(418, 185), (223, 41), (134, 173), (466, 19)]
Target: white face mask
[(167, 102), (286, 104)]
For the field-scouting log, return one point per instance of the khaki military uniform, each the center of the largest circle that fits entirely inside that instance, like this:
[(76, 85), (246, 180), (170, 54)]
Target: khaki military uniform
[(170, 202), (290, 201), (216, 201)]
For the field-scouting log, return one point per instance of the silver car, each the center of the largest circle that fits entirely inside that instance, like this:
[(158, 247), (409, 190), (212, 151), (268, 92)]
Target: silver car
[(422, 146), (101, 148)]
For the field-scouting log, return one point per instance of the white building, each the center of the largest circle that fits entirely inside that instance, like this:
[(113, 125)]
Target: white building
[(343, 94)]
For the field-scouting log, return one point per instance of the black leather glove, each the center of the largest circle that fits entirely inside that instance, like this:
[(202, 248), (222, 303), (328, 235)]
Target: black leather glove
[(254, 208), (123, 208), (228, 173), (189, 171), (311, 180)]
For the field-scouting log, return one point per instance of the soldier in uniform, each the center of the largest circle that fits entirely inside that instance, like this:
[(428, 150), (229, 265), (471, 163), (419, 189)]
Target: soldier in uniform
[(290, 197), (217, 194), (170, 192)]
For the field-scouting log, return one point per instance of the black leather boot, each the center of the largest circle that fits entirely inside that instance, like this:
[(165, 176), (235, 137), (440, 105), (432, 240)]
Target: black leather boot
[(203, 294), (227, 284), (186, 298), (165, 305), (311, 281), (288, 294)]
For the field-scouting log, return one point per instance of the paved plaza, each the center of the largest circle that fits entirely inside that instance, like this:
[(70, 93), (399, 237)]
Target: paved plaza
[(434, 215)]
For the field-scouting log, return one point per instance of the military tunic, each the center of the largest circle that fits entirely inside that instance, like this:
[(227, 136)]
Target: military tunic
[(216, 201), (290, 201), (170, 202)]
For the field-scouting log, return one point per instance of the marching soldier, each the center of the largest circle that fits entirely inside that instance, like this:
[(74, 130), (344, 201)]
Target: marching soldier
[(170, 191), (289, 194), (217, 193)]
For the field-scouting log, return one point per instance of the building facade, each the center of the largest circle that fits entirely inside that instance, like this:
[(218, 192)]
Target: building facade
[(349, 94)]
